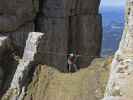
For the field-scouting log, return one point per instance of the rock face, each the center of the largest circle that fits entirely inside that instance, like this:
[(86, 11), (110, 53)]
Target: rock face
[(50, 84), (27, 63), (84, 29), (16, 19), (70, 26), (1, 76), (4, 42), (121, 76)]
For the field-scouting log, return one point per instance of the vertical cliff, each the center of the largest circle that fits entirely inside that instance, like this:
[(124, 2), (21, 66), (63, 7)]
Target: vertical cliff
[(85, 30), (121, 76), (35, 81), (52, 21), (16, 19), (71, 26)]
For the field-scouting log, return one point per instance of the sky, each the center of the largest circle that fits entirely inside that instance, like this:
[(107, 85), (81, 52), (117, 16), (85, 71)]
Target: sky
[(114, 3)]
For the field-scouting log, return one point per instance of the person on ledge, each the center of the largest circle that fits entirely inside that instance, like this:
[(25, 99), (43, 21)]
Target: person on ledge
[(72, 59)]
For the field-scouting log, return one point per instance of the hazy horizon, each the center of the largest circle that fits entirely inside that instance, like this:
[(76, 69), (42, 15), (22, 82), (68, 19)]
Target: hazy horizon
[(110, 3), (112, 12)]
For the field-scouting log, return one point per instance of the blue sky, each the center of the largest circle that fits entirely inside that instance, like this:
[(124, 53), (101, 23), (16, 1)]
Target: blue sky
[(114, 3)]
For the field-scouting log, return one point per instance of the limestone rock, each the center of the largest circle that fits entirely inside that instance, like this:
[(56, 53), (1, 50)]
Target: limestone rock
[(50, 84), (1, 76), (85, 35), (113, 98), (20, 36), (70, 26), (4, 43), (34, 54), (28, 61), (16, 17), (121, 81), (14, 14)]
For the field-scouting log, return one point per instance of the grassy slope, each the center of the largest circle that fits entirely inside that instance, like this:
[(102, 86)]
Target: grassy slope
[(86, 84)]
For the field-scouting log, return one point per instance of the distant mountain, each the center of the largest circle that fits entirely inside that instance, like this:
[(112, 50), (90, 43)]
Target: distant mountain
[(113, 24)]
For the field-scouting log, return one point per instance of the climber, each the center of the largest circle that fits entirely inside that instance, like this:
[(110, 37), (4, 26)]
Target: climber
[(72, 58)]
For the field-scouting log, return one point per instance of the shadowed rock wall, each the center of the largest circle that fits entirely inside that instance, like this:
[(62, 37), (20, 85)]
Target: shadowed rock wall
[(85, 30), (70, 26), (16, 19)]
